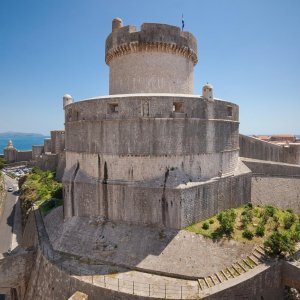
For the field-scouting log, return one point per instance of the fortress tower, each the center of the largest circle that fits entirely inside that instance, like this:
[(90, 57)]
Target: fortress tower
[(158, 59), (152, 152)]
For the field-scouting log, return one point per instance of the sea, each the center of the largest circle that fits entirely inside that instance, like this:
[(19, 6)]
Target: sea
[(22, 142)]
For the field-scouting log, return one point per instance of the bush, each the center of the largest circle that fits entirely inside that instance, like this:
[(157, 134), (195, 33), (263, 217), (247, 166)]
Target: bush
[(211, 221), (278, 244), (248, 205), (2, 163), (205, 226), (247, 234), (270, 210), (289, 220), (290, 210), (264, 218), (260, 230), (245, 221), (226, 219), (295, 235)]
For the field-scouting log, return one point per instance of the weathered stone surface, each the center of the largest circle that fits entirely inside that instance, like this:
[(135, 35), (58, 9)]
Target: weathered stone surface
[(254, 148), (79, 296), (159, 58)]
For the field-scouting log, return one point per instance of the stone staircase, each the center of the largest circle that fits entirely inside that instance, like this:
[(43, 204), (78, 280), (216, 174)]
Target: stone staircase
[(256, 258)]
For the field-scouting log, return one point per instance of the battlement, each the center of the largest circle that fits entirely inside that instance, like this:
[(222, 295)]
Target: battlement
[(151, 37)]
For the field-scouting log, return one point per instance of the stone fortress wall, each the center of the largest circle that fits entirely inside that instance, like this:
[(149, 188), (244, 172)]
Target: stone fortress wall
[(148, 156), (254, 148), (14, 155)]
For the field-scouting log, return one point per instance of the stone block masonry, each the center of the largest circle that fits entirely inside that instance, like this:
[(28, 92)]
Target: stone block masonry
[(152, 153), (254, 148)]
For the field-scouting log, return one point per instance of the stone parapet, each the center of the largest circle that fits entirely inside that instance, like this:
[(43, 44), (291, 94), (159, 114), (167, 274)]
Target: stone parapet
[(152, 37)]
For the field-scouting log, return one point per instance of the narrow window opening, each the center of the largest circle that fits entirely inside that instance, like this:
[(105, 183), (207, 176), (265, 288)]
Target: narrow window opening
[(178, 107), (229, 111), (113, 108)]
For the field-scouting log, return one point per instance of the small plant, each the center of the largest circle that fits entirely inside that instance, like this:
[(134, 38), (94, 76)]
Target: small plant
[(247, 234), (226, 219), (279, 244), (295, 235), (211, 221), (248, 205), (290, 210), (275, 218), (289, 220), (260, 231), (264, 218), (205, 226), (270, 210)]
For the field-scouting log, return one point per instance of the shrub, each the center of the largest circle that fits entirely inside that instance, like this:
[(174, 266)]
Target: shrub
[(295, 235), (245, 221), (205, 226), (211, 221), (2, 163), (247, 234), (264, 218), (289, 220), (290, 210), (270, 210), (248, 205), (260, 230), (226, 219), (275, 218), (278, 244)]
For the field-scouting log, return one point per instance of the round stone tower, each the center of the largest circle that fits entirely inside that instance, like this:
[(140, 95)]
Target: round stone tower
[(157, 59), (152, 152)]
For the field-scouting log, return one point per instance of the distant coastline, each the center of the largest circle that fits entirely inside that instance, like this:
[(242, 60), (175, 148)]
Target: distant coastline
[(21, 141)]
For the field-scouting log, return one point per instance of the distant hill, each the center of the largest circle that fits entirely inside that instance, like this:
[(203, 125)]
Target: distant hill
[(12, 134)]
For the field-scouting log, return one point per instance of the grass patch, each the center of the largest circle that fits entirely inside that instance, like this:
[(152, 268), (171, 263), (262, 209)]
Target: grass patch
[(251, 224)]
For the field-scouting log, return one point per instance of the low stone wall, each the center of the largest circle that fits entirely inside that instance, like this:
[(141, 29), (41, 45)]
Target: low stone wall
[(259, 283), (50, 282), (262, 167), (254, 148)]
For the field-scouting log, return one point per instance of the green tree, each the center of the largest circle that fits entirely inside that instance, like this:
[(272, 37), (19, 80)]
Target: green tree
[(226, 219), (278, 244), (2, 163)]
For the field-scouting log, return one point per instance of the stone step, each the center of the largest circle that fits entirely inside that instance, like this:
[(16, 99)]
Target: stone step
[(231, 272), (258, 257), (248, 263), (237, 269), (254, 260), (214, 279), (224, 275), (210, 282), (219, 278), (260, 251), (242, 265), (201, 283), (206, 282)]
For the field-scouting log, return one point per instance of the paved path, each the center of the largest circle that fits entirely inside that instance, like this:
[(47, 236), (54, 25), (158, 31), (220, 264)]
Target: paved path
[(7, 218)]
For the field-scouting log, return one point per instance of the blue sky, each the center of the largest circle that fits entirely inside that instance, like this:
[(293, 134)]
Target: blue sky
[(248, 49)]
